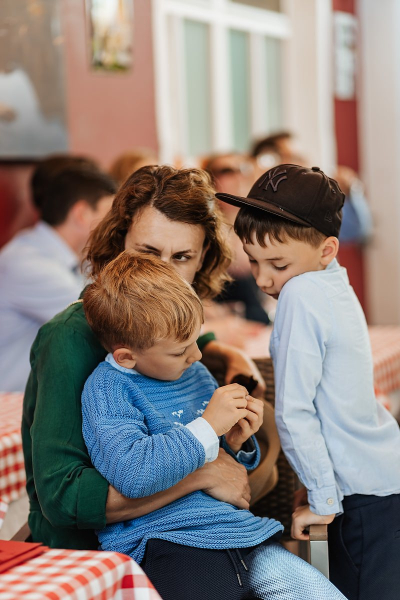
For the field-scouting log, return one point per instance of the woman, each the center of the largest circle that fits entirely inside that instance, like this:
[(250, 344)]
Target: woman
[(162, 211)]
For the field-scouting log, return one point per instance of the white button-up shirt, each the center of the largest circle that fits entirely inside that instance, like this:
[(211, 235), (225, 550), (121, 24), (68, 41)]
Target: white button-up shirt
[(336, 436), (39, 277)]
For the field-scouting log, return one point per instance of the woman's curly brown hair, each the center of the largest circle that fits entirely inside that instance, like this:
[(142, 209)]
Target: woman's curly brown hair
[(184, 195)]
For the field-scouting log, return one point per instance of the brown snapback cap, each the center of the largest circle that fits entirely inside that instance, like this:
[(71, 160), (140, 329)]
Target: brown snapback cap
[(301, 195)]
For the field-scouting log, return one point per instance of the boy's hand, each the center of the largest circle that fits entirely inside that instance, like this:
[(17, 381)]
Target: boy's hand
[(303, 517), (226, 407), (247, 427)]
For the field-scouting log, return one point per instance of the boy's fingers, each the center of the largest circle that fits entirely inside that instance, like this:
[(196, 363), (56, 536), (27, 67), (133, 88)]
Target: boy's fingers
[(240, 403), (252, 419), (242, 414), (297, 530), (256, 406), (238, 391)]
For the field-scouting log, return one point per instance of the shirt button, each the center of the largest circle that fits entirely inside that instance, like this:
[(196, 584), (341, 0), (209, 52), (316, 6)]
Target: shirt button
[(330, 501)]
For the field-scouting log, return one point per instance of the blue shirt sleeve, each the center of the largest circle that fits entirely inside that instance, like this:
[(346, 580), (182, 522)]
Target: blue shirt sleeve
[(301, 332)]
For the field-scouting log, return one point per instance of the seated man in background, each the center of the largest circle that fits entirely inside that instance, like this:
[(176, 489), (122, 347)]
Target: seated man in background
[(40, 268), (233, 173)]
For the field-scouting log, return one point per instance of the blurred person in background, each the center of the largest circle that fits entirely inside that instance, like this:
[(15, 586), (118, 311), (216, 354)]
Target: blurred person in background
[(356, 215), (40, 268), (275, 149), (128, 162), (233, 173), (282, 148)]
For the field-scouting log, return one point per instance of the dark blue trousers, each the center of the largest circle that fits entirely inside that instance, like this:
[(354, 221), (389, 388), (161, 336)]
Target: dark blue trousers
[(364, 548), (264, 572)]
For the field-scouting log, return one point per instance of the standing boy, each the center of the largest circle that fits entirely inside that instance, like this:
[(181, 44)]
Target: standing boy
[(344, 446)]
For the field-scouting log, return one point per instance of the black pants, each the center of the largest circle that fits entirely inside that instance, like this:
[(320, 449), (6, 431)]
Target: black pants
[(216, 580), (364, 548)]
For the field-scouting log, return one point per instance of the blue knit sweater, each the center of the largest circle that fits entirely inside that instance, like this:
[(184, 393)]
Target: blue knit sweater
[(132, 426)]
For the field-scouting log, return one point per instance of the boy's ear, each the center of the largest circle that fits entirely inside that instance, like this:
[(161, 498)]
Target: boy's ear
[(125, 358), (330, 248)]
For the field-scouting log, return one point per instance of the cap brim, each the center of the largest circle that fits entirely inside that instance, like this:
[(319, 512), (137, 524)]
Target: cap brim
[(261, 205)]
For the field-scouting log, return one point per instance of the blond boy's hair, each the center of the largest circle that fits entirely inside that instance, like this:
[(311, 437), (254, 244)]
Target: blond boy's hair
[(137, 300)]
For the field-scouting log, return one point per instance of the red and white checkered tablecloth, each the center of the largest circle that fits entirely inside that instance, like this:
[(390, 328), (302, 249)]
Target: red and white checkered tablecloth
[(77, 575), (385, 344), (12, 471)]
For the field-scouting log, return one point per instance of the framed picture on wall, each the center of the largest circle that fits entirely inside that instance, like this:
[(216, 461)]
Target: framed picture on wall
[(110, 24)]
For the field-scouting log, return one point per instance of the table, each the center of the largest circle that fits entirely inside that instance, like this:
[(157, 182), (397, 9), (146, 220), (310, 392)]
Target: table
[(77, 575), (12, 471)]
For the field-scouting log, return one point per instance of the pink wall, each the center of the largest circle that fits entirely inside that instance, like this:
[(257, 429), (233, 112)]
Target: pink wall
[(109, 112)]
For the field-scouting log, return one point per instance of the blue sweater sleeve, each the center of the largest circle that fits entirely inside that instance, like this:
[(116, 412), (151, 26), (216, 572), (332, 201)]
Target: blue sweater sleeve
[(248, 456), (137, 463)]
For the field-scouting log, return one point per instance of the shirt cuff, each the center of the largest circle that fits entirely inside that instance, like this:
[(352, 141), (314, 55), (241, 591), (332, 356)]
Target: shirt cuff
[(206, 435), (325, 501), (248, 456)]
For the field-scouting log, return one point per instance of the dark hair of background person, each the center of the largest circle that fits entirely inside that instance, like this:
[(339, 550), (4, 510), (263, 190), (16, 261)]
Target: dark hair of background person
[(269, 143), (67, 185), (183, 195), (49, 167)]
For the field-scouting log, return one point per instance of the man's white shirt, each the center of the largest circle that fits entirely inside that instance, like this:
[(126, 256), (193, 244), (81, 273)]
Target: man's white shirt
[(39, 277)]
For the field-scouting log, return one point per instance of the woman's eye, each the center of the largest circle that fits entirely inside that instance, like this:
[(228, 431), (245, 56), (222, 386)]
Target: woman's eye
[(252, 261), (182, 257)]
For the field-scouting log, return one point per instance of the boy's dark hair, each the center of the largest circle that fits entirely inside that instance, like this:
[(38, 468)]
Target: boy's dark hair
[(269, 143), (61, 181), (250, 221)]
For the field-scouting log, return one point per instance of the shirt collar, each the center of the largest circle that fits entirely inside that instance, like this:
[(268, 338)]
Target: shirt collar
[(110, 359)]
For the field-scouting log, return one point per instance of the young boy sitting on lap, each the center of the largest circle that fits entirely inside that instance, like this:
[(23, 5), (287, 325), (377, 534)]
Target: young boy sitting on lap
[(152, 414), (343, 445)]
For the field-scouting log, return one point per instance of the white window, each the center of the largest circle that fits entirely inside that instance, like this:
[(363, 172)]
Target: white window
[(218, 66)]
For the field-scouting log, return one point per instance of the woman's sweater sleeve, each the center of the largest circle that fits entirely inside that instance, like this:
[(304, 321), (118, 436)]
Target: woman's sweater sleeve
[(135, 462)]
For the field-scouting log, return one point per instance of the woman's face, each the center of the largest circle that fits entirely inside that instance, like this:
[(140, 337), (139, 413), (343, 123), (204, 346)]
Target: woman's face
[(177, 243)]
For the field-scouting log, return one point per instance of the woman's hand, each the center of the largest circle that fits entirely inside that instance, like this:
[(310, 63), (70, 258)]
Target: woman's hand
[(223, 479), (247, 427), (236, 361), (303, 517), (228, 480)]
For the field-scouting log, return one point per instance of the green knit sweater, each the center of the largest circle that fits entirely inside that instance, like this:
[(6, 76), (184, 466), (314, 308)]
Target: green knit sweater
[(67, 495)]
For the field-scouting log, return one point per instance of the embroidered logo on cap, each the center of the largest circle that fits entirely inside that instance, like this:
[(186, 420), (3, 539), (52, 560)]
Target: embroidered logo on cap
[(271, 175)]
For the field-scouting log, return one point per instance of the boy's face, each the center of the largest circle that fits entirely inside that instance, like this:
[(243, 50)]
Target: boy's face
[(275, 264), (167, 360)]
